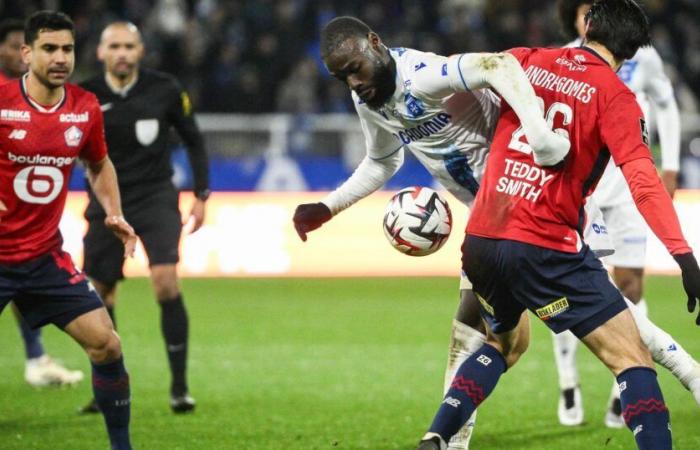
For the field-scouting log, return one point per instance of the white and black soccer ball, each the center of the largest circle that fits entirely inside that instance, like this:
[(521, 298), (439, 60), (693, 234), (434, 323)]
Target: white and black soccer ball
[(417, 221)]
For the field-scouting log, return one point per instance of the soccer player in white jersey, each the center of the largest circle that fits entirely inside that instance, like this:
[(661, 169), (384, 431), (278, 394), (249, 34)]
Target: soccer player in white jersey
[(424, 103), (645, 76)]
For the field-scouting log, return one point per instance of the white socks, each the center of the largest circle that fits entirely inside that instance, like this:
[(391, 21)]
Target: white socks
[(565, 346)]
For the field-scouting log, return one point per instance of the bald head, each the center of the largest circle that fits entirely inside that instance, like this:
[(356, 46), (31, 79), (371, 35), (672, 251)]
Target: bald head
[(121, 50)]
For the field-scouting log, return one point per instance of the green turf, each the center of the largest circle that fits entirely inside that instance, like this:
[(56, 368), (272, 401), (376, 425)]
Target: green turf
[(321, 364)]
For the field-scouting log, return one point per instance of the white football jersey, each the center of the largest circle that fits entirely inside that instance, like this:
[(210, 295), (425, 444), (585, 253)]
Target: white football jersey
[(449, 133), (644, 75)]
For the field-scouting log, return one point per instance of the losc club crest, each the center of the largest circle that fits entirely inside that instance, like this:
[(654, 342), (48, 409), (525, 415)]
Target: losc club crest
[(414, 106), (73, 136)]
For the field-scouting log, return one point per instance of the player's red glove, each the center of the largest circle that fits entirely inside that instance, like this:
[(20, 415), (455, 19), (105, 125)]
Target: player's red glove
[(310, 216), (691, 280)]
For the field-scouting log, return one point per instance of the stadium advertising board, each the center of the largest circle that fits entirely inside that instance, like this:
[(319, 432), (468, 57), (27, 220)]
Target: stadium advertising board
[(251, 234)]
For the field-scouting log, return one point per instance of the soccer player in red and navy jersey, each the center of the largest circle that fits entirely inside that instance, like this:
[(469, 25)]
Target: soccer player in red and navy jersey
[(45, 126), (40, 368), (523, 249)]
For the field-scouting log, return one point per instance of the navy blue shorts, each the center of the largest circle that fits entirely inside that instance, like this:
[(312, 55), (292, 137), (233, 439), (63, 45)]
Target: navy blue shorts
[(48, 289), (567, 291)]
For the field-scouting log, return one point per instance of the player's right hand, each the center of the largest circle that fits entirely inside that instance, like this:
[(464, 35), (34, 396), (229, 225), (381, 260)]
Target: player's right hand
[(552, 148), (310, 216), (691, 280), (121, 228)]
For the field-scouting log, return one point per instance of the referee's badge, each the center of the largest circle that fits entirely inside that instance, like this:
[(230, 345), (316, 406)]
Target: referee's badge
[(146, 131)]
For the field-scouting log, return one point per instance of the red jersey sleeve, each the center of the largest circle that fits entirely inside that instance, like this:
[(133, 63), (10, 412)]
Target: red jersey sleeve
[(623, 129), (95, 149)]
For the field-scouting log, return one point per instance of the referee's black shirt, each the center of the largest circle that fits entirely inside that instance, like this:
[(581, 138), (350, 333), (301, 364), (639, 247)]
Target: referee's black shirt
[(137, 123)]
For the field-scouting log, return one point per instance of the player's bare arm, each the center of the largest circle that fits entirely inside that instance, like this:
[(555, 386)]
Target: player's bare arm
[(103, 181)]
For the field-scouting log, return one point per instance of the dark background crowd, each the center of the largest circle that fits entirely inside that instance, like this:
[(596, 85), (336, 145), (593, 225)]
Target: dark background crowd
[(258, 56)]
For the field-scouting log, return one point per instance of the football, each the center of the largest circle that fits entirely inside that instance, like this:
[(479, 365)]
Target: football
[(417, 221)]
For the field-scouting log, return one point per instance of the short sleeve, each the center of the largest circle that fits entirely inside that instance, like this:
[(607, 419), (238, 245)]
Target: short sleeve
[(95, 149), (624, 129), (520, 53)]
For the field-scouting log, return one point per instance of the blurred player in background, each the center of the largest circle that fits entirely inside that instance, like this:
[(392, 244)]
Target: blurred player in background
[(140, 107), (46, 124), (454, 154), (523, 248), (644, 75), (39, 369)]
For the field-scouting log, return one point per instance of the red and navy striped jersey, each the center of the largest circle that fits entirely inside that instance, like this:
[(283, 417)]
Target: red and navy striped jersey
[(38, 148), (584, 99)]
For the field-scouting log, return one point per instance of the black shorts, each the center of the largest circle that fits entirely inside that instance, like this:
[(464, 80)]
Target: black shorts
[(48, 289), (567, 291), (155, 216)]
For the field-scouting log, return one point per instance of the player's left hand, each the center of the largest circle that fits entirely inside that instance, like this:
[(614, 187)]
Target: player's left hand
[(197, 214), (121, 228), (670, 180), (691, 280)]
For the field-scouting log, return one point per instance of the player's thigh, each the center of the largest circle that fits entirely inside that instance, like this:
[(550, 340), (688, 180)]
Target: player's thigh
[(486, 265), (468, 310), (618, 345), (94, 331), (567, 291), (55, 291), (513, 343), (629, 235), (158, 223), (103, 253), (630, 281)]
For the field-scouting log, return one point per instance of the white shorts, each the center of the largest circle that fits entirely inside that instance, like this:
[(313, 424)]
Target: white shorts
[(629, 235), (595, 233), (464, 282)]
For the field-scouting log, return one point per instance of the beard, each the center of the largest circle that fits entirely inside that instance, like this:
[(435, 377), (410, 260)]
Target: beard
[(384, 81)]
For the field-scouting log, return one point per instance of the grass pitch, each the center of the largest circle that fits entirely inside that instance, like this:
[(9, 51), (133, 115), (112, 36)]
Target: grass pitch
[(322, 364)]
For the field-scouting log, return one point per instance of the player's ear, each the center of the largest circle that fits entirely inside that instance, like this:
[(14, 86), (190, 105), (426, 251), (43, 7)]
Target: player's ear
[(100, 52), (26, 53), (374, 40)]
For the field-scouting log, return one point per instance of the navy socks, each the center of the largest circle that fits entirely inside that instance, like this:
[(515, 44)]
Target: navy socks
[(110, 385), (643, 408), (474, 381)]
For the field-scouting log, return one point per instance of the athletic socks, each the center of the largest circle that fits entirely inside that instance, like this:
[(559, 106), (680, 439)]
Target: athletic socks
[(33, 348), (474, 381), (174, 325), (643, 408), (667, 352), (110, 385), (464, 341), (565, 346)]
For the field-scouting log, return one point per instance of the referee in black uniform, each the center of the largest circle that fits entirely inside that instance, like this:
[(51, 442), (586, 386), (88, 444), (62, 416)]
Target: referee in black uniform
[(140, 106)]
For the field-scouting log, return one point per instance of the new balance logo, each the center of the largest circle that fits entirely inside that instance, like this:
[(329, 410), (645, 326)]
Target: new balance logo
[(638, 429), (418, 67), (672, 348), (18, 134), (623, 386), (452, 402), (483, 359)]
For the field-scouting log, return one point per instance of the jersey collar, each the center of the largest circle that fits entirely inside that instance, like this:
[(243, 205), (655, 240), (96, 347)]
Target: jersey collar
[(36, 105), (123, 91)]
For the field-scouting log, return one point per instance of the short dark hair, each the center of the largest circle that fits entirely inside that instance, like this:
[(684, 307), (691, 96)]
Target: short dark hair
[(8, 26), (620, 25), (566, 13), (340, 30), (46, 20)]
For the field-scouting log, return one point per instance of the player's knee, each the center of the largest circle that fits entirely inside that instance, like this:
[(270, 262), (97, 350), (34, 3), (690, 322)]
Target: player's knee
[(516, 351), (166, 292), (105, 348)]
